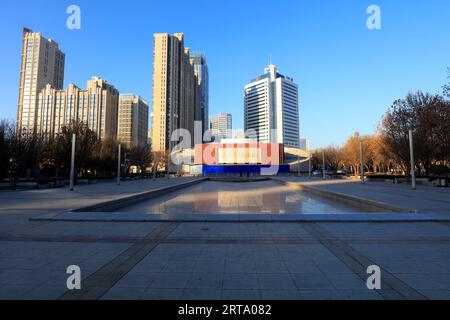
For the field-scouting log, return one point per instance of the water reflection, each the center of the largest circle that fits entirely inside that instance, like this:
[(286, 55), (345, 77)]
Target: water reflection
[(266, 197)]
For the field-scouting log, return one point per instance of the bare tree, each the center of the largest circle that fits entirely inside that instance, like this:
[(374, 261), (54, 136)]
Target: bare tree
[(351, 152), (139, 156), (427, 116)]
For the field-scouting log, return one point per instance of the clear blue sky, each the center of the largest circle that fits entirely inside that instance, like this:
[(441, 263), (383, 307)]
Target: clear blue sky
[(348, 75)]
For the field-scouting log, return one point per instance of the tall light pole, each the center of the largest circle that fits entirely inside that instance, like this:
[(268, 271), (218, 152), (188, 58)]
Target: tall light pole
[(118, 164), (411, 150), (323, 166), (155, 165), (169, 155), (72, 163), (363, 179), (298, 165), (309, 165)]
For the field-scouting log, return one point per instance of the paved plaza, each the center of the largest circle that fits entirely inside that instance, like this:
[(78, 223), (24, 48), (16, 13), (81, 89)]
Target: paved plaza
[(222, 260)]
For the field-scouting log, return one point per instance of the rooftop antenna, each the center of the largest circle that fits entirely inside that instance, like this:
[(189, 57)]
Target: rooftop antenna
[(270, 58)]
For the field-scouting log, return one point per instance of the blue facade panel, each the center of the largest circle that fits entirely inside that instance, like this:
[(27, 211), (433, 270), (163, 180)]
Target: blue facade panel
[(238, 169)]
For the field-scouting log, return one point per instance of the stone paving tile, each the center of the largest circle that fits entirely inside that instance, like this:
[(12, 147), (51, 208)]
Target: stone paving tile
[(119, 293), (205, 281), (423, 281), (332, 267), (276, 282), (240, 252), (149, 266), (170, 281), (436, 294), (240, 282), (271, 267), (320, 295), (281, 295), (360, 295), (161, 294), (241, 295), (179, 267), (347, 282), (427, 230), (102, 229), (240, 266), (295, 266), (13, 292), (201, 294), (23, 277), (132, 280), (44, 293), (208, 265), (312, 282)]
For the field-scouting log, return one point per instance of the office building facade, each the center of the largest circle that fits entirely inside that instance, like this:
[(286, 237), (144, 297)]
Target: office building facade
[(132, 120), (42, 64), (271, 109), (222, 126)]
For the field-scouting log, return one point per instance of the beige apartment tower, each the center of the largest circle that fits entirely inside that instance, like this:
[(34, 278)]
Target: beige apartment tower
[(96, 107), (42, 64), (133, 120), (176, 90)]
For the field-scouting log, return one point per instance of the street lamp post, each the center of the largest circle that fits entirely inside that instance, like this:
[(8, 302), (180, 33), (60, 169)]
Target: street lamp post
[(323, 166), (118, 164), (12, 173), (155, 166), (411, 149), (169, 155), (309, 166), (72, 163), (298, 166), (363, 179)]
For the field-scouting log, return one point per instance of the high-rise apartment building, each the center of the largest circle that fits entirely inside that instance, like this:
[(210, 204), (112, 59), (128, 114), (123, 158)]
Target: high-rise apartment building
[(221, 126), (271, 107), (176, 93), (202, 73), (42, 64), (133, 120), (96, 107)]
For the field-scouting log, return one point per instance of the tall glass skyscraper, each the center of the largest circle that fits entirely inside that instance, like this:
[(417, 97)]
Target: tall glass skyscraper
[(201, 70)]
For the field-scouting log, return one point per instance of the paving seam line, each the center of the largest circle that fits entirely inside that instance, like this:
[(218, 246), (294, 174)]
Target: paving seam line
[(100, 282), (216, 240), (358, 263)]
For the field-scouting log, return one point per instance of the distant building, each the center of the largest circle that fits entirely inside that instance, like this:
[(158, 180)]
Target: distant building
[(96, 107), (271, 108), (239, 157), (176, 90), (132, 120), (149, 137), (222, 126), (304, 144), (42, 64), (202, 73)]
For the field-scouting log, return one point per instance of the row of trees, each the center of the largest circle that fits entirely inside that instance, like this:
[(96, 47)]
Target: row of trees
[(388, 150), (94, 157), (376, 156)]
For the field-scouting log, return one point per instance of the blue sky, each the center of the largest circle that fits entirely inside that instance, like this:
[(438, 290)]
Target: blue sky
[(348, 75)]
